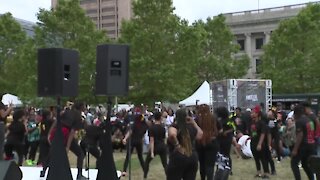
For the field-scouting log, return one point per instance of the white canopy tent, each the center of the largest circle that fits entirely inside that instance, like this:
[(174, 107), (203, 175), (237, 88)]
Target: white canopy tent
[(9, 98), (200, 96)]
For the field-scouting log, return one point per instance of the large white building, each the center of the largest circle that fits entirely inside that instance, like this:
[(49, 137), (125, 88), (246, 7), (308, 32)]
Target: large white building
[(254, 28)]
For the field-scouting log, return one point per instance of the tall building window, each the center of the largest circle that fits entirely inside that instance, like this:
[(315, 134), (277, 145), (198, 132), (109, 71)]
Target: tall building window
[(108, 9), (87, 1), (241, 44), (108, 17), (91, 11), (111, 32), (108, 25), (258, 66), (259, 43)]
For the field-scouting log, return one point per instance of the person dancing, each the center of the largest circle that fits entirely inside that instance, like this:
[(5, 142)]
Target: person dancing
[(4, 112), (226, 134), (71, 121), (183, 160), (157, 134), (16, 135), (44, 146), (259, 145), (136, 133), (208, 146)]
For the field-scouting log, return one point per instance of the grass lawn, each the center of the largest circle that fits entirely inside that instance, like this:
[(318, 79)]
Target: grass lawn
[(242, 169)]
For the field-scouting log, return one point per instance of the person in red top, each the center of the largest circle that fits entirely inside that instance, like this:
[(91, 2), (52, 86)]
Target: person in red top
[(71, 121)]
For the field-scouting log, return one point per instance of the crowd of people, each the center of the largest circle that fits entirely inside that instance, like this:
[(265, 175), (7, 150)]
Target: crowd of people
[(187, 140)]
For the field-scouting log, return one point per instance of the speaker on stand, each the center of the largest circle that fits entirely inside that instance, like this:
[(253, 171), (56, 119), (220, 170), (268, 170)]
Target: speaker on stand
[(112, 73), (58, 71)]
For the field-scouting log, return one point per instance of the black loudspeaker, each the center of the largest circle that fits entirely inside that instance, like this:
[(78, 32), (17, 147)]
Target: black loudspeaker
[(112, 70), (9, 170), (58, 71)]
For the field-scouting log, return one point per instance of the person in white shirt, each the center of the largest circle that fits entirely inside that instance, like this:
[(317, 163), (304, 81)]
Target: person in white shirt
[(243, 145), (170, 117)]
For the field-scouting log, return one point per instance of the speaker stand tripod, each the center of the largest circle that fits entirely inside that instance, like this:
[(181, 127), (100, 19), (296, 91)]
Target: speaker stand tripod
[(106, 166), (59, 167)]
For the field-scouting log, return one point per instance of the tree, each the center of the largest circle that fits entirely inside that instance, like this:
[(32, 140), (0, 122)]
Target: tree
[(292, 57), (12, 42), (163, 53), (218, 60), (67, 26)]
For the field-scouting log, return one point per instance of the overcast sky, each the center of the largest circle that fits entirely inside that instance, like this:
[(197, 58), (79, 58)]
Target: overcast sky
[(188, 9)]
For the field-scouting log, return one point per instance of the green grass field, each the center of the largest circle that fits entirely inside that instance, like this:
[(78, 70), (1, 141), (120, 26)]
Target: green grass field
[(242, 169)]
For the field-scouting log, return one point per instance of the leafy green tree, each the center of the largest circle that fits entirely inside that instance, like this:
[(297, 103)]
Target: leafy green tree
[(163, 53), (292, 58), (12, 41), (67, 26), (218, 60)]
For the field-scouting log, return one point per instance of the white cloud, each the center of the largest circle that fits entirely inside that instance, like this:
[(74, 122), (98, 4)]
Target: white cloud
[(24, 9)]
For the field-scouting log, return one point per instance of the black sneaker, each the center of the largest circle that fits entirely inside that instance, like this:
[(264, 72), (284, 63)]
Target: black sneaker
[(265, 177), (42, 173), (273, 173), (81, 177)]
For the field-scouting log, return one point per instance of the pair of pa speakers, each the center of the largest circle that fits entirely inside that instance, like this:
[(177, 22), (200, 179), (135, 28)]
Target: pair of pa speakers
[(58, 71)]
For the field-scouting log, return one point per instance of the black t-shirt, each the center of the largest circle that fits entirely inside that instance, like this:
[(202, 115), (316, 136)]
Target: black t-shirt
[(301, 126), (272, 125), (240, 124), (45, 127), (192, 132), (72, 119), (158, 132), (256, 129), (138, 131), (227, 125), (17, 132), (2, 107), (93, 134)]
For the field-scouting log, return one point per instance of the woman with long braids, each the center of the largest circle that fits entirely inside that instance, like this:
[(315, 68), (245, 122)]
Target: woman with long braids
[(207, 147), (183, 160)]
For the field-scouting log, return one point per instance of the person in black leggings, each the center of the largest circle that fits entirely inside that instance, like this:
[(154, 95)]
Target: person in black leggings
[(226, 135), (4, 112), (157, 135), (208, 146), (90, 141), (71, 121), (259, 145), (136, 133), (302, 149), (273, 136), (44, 146), (183, 160), (15, 138)]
